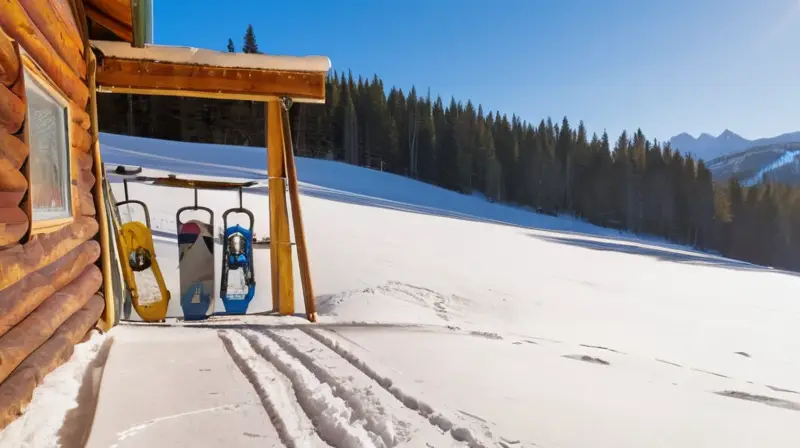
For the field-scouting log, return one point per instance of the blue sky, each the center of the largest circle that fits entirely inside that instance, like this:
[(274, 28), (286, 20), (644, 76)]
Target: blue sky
[(667, 66)]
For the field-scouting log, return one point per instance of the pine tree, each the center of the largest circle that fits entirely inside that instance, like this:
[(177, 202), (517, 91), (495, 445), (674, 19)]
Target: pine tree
[(231, 48), (250, 45)]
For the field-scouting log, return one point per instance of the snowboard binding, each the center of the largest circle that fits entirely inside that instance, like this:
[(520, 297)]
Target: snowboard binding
[(237, 256)]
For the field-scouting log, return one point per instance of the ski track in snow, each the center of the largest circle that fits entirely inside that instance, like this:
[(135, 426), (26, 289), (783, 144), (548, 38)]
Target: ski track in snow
[(275, 390), (332, 417), (316, 392)]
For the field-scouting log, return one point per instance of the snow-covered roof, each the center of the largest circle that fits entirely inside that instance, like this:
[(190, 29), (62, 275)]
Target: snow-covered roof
[(199, 56)]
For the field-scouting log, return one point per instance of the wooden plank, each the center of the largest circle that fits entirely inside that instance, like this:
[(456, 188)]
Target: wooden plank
[(13, 225), (12, 149), (12, 111), (56, 32), (43, 249), (17, 390), (19, 26), (280, 245), (19, 300), (9, 60), (119, 10), (109, 316), (297, 221), (36, 329), (122, 30), (222, 82)]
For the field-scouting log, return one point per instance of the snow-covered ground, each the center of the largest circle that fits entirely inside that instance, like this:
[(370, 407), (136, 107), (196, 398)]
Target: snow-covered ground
[(451, 321)]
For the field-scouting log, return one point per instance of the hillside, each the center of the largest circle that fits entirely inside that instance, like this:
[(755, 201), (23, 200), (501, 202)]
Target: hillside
[(450, 321), (781, 162)]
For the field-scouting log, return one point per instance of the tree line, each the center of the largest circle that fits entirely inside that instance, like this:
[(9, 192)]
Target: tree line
[(631, 183)]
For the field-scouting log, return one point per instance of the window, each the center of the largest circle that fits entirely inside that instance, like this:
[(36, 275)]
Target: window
[(49, 163)]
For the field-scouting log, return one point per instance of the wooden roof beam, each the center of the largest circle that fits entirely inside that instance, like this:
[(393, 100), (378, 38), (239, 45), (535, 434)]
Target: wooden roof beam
[(191, 80), (120, 29)]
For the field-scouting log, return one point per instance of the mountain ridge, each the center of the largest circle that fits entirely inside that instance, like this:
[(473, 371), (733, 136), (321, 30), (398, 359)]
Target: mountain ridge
[(708, 147)]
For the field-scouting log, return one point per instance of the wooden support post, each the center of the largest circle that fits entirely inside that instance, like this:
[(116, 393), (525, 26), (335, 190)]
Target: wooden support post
[(297, 219), (280, 245)]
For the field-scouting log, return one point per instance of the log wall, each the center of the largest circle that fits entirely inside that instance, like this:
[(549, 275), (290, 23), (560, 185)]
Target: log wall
[(50, 279)]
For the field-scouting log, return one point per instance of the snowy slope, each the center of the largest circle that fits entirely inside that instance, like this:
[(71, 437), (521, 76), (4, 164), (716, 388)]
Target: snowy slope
[(450, 321)]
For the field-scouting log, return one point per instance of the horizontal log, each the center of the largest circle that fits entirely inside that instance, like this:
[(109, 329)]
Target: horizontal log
[(84, 159), (86, 180), (122, 30), (79, 116), (56, 32), (9, 61), (10, 199), (12, 111), (87, 203), (34, 330), (17, 390), (80, 138), (16, 22), (11, 178), (12, 149), (195, 80), (43, 249), (64, 12), (13, 225), (19, 300)]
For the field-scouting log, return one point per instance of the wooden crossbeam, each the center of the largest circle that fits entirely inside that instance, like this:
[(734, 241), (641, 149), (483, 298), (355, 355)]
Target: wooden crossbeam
[(119, 75)]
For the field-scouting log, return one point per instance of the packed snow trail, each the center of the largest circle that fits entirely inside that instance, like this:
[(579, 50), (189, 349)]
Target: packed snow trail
[(316, 391)]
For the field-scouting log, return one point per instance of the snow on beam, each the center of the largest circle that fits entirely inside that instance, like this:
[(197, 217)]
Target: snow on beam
[(184, 71)]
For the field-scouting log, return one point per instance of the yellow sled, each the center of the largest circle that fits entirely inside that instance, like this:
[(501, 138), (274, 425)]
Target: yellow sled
[(138, 254)]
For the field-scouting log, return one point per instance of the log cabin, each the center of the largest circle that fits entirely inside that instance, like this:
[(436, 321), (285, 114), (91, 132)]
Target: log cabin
[(57, 277)]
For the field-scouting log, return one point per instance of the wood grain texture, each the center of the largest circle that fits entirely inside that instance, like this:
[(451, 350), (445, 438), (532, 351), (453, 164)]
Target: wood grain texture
[(101, 17), (38, 326), (11, 179), (297, 221), (79, 116), (79, 138), (9, 60), (280, 246), (43, 249), (19, 26), (87, 203), (221, 81), (86, 181), (13, 226), (65, 14), (12, 111), (13, 149), (61, 37), (19, 300), (119, 10), (17, 390)]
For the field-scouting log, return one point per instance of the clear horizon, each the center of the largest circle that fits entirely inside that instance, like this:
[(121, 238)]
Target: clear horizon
[(667, 68)]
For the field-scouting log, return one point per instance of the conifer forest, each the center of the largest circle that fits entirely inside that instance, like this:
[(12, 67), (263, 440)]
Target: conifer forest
[(627, 182)]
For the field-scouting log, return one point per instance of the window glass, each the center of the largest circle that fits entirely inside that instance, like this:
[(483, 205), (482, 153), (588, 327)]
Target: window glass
[(49, 153)]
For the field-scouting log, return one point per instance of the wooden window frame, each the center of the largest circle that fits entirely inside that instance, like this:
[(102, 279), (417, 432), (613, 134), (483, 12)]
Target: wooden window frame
[(32, 69)]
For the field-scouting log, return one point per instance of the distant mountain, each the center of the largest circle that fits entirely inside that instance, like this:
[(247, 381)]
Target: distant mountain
[(708, 147), (779, 161)]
